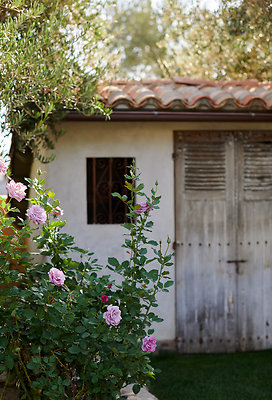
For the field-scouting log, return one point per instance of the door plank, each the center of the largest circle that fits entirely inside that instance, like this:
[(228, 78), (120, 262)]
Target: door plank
[(205, 282), (223, 193), (255, 229)]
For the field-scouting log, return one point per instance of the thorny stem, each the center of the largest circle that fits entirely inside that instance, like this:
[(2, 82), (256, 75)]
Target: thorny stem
[(54, 247), (79, 393), (60, 361), (163, 258), (24, 369), (135, 250), (22, 382), (23, 365), (83, 272), (5, 386), (131, 232)]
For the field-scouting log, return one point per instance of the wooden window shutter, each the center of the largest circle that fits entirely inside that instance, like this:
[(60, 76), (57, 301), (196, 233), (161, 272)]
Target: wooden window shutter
[(204, 165)]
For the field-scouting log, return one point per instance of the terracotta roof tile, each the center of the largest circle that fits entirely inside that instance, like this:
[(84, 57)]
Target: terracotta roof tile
[(268, 100), (181, 93)]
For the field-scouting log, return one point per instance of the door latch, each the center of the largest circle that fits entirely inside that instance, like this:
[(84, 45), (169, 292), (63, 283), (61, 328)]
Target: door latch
[(236, 262)]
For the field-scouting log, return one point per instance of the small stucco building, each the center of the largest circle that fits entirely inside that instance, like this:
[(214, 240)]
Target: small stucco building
[(209, 145)]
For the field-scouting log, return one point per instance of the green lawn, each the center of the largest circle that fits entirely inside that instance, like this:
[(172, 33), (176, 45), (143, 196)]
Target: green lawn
[(239, 376)]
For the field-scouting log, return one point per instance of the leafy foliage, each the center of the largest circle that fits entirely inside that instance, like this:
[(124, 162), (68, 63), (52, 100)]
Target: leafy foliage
[(231, 42), (136, 34), (50, 63), (53, 338)]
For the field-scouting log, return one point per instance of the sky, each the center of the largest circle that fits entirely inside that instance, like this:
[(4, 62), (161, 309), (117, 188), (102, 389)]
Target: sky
[(209, 4)]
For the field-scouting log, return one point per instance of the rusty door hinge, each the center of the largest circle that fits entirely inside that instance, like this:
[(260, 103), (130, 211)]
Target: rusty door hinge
[(176, 155), (175, 244)]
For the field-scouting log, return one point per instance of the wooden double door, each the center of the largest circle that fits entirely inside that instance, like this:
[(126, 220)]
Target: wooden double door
[(223, 202)]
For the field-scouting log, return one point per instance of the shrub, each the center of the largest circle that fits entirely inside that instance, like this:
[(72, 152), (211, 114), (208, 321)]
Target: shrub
[(67, 329)]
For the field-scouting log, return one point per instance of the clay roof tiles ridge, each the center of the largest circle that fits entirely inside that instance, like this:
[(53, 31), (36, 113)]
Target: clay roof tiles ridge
[(188, 93)]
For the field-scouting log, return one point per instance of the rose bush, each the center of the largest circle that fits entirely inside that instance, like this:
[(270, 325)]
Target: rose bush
[(56, 276), (37, 214), (16, 190), (149, 343), (113, 315), (67, 329), (3, 166)]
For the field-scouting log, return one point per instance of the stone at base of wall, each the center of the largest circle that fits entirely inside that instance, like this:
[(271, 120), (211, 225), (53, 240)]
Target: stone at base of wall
[(11, 393), (166, 345), (142, 395)]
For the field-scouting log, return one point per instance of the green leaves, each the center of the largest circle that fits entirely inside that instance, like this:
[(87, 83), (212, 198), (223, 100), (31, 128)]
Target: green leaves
[(74, 349), (136, 388), (41, 76), (152, 243), (168, 284), (115, 194), (3, 341), (56, 338), (113, 261), (9, 362), (80, 329), (28, 313)]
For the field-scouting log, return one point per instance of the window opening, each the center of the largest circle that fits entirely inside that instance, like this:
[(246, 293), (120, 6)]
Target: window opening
[(105, 176)]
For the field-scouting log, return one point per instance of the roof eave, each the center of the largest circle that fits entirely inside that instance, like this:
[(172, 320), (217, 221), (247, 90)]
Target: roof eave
[(175, 116)]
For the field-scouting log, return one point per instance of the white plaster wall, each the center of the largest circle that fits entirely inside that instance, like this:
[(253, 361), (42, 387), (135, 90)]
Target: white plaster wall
[(152, 149), (152, 146)]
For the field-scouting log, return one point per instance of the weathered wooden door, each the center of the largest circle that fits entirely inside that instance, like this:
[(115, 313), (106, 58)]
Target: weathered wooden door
[(223, 192)]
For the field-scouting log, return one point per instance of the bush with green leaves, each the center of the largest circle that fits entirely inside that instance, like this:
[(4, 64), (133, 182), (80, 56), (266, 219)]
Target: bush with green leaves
[(68, 330)]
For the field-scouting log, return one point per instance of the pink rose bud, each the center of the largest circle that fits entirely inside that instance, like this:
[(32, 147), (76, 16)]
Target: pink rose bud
[(3, 166), (149, 343), (37, 214), (57, 211), (109, 286), (113, 315), (16, 190), (56, 276), (72, 296), (104, 298), (143, 208)]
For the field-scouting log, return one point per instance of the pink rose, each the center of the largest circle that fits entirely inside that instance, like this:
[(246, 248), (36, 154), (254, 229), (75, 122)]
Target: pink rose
[(57, 211), (3, 166), (16, 190), (149, 343), (56, 276), (109, 285), (37, 214), (113, 315), (143, 208), (104, 298)]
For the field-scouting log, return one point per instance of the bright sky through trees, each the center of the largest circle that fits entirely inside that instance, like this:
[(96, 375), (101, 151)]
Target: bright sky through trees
[(207, 39), (209, 4)]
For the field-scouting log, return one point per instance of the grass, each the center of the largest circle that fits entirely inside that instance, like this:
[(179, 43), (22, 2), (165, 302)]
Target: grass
[(239, 376)]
